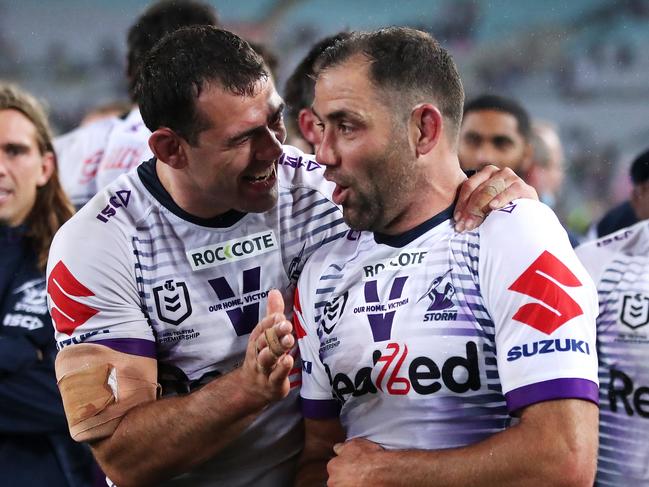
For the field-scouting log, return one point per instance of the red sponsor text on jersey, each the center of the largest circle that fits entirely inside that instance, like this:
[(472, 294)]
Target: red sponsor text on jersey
[(67, 313), (537, 281)]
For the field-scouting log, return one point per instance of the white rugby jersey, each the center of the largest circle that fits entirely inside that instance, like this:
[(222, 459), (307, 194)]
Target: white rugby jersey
[(619, 264), (78, 155), (134, 272), (433, 339), (127, 146)]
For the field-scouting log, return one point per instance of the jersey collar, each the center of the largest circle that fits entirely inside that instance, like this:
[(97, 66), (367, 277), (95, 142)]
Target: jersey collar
[(405, 238)]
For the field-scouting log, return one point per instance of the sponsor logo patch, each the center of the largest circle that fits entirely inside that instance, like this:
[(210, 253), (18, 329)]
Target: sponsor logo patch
[(542, 281), (403, 260), (67, 312), (232, 250)]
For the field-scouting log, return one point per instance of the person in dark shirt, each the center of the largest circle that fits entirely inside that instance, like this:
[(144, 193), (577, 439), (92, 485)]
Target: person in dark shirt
[(35, 446), (632, 210)]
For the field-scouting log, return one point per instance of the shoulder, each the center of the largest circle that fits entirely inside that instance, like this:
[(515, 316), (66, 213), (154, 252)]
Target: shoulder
[(596, 254), (521, 216), (106, 223), (331, 256)]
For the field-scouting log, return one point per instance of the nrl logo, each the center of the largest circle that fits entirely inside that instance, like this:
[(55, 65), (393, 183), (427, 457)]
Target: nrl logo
[(172, 302), (635, 310), (332, 312)]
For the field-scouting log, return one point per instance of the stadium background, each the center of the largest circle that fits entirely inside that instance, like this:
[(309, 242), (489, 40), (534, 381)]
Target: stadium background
[(581, 64)]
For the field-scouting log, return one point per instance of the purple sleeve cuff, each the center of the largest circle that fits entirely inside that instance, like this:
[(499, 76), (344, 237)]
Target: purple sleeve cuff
[(569, 388), (320, 408), (134, 346)]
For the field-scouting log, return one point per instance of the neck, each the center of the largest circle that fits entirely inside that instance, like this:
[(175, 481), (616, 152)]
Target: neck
[(436, 191), (186, 194)]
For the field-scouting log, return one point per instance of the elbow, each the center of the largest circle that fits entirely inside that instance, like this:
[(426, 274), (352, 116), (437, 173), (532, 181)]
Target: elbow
[(575, 466), (119, 469), (126, 478)]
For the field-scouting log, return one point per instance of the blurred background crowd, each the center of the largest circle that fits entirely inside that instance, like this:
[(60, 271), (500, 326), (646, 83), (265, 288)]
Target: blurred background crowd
[(580, 65)]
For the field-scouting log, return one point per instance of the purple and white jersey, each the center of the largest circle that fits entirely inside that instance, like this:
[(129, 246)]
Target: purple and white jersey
[(433, 339), (127, 147), (134, 272), (619, 264), (78, 155)]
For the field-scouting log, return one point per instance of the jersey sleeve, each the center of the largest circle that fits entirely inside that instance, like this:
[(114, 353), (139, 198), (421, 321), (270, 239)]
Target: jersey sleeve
[(93, 294), (543, 304), (317, 399)]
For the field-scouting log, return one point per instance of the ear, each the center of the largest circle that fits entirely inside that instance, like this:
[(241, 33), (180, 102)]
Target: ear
[(47, 169), (425, 127), (306, 120), (168, 147)]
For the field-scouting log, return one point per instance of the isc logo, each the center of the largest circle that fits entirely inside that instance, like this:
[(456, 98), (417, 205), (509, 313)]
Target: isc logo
[(397, 373)]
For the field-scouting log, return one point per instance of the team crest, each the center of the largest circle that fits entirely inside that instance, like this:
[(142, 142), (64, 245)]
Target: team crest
[(635, 310), (172, 302), (440, 293), (332, 312)]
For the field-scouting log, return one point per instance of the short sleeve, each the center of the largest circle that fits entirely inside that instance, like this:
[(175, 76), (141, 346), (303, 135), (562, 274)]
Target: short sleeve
[(92, 288), (317, 399), (543, 304)]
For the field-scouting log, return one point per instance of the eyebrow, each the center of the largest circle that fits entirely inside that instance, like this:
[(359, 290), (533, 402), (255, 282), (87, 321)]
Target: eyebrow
[(235, 138), (15, 146), (334, 116)]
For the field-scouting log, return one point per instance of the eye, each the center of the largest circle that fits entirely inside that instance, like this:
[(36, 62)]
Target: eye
[(277, 119), (345, 128)]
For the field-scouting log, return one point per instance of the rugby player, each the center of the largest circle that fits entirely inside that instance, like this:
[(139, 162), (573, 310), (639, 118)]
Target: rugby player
[(93, 155), (619, 265), (420, 345)]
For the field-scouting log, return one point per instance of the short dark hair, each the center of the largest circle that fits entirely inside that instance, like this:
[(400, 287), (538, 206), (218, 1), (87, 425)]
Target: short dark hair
[(156, 21), (178, 68), (640, 168), (300, 86), (409, 63), (506, 105)]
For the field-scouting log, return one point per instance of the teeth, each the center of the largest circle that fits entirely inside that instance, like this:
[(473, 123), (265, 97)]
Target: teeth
[(262, 176)]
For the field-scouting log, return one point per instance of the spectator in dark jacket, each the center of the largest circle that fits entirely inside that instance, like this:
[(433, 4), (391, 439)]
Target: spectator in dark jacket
[(35, 447)]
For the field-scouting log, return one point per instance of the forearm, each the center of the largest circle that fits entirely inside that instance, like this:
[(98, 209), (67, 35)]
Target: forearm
[(555, 455), (183, 431)]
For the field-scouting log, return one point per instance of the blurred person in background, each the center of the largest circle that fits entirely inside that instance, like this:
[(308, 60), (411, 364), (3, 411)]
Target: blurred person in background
[(105, 110), (93, 155), (546, 170), (634, 209), (619, 265), (495, 130), (301, 128), (35, 446)]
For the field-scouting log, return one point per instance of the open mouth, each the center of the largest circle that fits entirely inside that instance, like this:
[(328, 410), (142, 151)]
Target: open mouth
[(261, 177), (340, 194), (4, 194)]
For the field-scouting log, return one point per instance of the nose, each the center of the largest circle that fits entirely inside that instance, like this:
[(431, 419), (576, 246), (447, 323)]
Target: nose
[(486, 154), (325, 153), (270, 147)]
